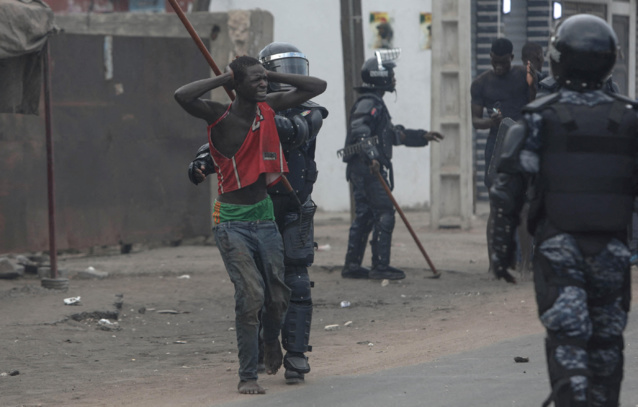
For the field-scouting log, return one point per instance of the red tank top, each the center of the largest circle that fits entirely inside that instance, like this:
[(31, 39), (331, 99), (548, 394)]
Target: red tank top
[(259, 153)]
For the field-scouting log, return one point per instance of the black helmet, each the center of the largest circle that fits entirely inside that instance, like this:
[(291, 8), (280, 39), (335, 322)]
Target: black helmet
[(582, 52), (378, 71), (283, 57)]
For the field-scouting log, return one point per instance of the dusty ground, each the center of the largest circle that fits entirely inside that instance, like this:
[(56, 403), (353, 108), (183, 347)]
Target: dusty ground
[(188, 357)]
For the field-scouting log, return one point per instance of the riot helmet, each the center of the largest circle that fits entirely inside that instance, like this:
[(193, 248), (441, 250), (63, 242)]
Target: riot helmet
[(378, 72), (582, 52), (283, 57)]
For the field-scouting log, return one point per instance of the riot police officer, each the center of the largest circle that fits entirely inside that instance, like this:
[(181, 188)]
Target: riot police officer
[(368, 149), (577, 149), (294, 210)]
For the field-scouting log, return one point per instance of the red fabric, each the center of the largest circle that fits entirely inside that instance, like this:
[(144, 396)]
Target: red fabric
[(259, 153)]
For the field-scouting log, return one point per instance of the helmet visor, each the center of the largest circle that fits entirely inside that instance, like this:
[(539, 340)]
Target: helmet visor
[(289, 62)]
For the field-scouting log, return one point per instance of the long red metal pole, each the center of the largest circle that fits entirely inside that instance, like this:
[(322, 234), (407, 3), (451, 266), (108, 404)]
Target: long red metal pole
[(199, 43), (407, 224), (53, 255)]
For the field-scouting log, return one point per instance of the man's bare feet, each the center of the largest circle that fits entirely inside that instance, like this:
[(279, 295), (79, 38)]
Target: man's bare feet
[(250, 387), (273, 356)]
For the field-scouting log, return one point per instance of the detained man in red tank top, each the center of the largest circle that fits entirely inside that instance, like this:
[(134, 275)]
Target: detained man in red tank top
[(248, 159)]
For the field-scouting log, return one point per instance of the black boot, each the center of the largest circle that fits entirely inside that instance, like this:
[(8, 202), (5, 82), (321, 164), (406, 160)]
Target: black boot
[(386, 273), (297, 366), (354, 270)]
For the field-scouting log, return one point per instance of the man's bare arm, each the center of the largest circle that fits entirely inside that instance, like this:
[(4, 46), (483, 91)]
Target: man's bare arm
[(189, 97), (532, 79), (304, 88)]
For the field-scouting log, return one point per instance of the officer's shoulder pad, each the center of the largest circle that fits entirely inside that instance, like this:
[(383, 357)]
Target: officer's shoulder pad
[(624, 99), (312, 105), (367, 105), (541, 102), (205, 148)]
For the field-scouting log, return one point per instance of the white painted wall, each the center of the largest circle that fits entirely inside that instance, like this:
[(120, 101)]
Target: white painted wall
[(315, 28)]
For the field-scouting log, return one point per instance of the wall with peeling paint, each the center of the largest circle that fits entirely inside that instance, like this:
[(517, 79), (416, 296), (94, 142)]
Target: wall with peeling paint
[(121, 143)]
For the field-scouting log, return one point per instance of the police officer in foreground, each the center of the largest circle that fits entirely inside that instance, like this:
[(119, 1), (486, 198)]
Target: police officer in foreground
[(368, 149), (577, 151), (294, 210)]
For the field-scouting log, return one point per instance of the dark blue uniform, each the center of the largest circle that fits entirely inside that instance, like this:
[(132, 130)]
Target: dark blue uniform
[(298, 129), (579, 153), (371, 136)]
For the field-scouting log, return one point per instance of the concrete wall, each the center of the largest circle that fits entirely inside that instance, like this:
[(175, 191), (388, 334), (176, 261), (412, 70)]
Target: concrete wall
[(122, 144), (316, 31)]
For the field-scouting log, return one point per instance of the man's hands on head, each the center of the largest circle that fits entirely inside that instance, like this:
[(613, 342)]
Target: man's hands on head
[(230, 84)]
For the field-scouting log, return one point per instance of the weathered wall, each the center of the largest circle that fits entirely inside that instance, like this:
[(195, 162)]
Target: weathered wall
[(110, 6), (122, 144), (316, 32)]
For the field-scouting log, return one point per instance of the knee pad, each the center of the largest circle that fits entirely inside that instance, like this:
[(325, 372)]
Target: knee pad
[(386, 221), (299, 283)]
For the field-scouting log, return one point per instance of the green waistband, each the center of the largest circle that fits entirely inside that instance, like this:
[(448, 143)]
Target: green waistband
[(225, 212)]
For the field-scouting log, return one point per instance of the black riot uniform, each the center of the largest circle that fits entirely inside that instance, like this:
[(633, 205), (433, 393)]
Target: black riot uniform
[(576, 154), (294, 210), (371, 136)]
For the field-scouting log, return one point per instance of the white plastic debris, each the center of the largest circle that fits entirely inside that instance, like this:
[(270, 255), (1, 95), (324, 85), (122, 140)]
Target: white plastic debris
[(345, 304), (167, 311), (105, 322), (91, 273), (334, 327), (72, 301), (385, 282), (323, 247), (184, 277), (347, 324)]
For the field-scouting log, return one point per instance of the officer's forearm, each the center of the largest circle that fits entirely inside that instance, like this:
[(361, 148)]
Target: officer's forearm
[(301, 82)]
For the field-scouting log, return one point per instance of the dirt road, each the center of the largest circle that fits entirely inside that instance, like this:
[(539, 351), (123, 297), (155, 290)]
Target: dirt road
[(169, 338)]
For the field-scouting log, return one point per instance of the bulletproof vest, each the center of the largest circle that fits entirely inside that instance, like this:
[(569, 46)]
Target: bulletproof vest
[(587, 166), (381, 128)]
